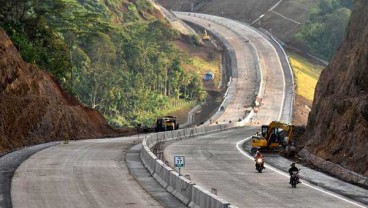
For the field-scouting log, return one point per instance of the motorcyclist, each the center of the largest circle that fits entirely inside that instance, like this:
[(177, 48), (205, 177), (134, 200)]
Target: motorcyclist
[(259, 155), (291, 170)]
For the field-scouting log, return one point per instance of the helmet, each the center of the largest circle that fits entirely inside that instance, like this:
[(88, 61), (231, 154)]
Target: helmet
[(258, 153), (292, 164)]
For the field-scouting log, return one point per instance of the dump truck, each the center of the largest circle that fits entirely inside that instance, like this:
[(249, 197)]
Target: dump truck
[(167, 123)]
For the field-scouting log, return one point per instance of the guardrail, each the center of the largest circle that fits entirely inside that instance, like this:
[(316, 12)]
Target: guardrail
[(182, 188)]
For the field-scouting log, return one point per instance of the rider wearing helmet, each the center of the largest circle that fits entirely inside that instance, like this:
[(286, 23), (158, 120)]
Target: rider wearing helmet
[(259, 155), (292, 169)]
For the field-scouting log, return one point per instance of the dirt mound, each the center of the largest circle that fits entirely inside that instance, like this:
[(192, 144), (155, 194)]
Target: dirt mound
[(34, 109), (337, 126)]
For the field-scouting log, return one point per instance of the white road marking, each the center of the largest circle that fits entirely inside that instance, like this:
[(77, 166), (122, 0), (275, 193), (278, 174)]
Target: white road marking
[(287, 175)]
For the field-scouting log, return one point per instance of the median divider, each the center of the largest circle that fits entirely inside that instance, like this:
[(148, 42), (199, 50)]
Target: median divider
[(144, 155), (150, 161), (181, 187), (203, 198), (162, 173)]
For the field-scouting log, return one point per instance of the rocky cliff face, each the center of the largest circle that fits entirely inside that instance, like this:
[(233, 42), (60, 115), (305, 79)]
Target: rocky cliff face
[(34, 109), (337, 129)]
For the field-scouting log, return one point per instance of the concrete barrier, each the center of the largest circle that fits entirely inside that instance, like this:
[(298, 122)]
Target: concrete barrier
[(203, 198), (144, 154), (151, 162), (181, 187), (162, 173)]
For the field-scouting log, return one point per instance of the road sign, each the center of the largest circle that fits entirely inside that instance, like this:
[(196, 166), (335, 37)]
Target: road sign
[(179, 161)]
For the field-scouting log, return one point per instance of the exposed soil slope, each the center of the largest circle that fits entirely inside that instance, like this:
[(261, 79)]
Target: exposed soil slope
[(337, 128), (34, 109), (282, 18)]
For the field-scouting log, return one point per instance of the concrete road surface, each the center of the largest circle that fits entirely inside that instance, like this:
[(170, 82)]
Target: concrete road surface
[(258, 71), (90, 173), (214, 162)]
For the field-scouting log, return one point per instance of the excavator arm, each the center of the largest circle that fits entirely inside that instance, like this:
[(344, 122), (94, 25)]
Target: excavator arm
[(270, 137), (273, 129)]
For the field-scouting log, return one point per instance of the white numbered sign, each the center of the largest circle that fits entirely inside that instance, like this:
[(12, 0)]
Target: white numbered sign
[(179, 161)]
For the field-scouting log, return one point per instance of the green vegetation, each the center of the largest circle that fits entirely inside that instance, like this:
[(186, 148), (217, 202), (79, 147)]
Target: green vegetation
[(113, 55), (202, 67), (306, 75), (326, 27)]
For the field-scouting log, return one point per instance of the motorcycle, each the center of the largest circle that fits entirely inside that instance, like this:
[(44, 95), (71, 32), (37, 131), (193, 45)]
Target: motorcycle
[(294, 179), (259, 165)]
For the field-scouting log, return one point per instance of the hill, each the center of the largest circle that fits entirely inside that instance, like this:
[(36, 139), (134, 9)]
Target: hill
[(280, 17), (337, 126), (34, 109), (116, 56), (91, 61), (309, 26)]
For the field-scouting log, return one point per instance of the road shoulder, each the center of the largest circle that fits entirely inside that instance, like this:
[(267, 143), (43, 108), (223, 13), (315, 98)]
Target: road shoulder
[(9, 164), (148, 183)]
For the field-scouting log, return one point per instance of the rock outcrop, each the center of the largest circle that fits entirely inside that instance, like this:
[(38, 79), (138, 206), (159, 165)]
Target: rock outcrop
[(34, 109), (337, 129)]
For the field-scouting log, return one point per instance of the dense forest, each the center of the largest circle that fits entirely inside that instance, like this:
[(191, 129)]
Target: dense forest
[(116, 56), (326, 27)]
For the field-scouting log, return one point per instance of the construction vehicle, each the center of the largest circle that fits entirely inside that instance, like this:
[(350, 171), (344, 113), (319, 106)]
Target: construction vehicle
[(206, 36), (167, 123), (275, 137)]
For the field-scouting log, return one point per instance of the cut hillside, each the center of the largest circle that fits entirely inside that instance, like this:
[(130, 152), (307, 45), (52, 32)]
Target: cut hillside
[(34, 109), (282, 18), (337, 129)]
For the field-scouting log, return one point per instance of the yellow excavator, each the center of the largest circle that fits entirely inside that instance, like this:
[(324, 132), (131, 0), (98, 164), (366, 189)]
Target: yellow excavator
[(206, 36), (275, 137)]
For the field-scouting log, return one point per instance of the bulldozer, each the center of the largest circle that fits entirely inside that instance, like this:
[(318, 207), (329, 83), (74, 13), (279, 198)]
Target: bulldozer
[(275, 137), (167, 123)]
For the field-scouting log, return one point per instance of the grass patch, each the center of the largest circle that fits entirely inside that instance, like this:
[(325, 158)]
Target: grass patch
[(201, 60), (179, 108), (203, 66), (306, 75)]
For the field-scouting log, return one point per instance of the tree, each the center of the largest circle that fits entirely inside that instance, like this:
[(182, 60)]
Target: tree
[(75, 22), (326, 28)]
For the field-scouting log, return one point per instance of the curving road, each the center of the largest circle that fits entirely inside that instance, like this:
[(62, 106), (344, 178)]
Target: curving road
[(258, 71), (214, 161), (90, 173), (93, 173)]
